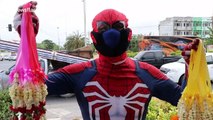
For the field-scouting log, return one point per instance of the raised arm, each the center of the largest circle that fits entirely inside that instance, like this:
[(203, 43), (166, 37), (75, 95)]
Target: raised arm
[(18, 18), (186, 53)]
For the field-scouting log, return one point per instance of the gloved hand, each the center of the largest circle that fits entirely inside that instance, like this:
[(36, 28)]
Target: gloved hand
[(18, 17), (186, 53)]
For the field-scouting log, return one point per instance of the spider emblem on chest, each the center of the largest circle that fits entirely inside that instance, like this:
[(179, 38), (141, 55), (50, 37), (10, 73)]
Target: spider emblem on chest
[(117, 104)]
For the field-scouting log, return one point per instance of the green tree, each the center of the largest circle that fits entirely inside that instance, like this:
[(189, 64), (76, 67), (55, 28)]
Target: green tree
[(47, 45), (39, 45), (133, 46), (209, 40), (74, 41)]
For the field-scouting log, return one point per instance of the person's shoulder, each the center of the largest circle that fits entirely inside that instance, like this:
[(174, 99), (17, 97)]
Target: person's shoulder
[(142, 65), (147, 66), (152, 70), (76, 67)]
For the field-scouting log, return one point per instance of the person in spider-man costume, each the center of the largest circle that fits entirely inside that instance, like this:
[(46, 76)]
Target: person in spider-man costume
[(113, 86)]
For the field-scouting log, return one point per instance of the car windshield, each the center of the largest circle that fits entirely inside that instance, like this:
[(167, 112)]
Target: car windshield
[(209, 59), (138, 56), (41, 63), (181, 60)]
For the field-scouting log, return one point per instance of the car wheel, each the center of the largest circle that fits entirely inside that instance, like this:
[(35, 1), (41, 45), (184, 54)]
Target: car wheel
[(182, 78)]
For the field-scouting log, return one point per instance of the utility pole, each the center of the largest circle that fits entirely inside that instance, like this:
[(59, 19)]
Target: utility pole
[(85, 34), (58, 39)]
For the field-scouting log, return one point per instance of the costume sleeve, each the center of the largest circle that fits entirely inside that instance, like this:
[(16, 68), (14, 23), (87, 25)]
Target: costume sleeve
[(70, 79), (59, 83), (167, 90), (160, 86)]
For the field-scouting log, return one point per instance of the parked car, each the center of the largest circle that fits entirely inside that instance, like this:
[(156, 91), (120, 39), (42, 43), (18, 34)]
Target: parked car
[(12, 58), (1, 58), (47, 66), (155, 57), (6, 57), (4, 75), (176, 70)]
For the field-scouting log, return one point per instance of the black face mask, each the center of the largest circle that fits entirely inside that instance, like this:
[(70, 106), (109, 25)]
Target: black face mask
[(108, 51)]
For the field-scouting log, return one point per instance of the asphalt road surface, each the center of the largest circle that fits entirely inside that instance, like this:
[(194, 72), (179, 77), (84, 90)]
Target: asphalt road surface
[(62, 108), (4, 65)]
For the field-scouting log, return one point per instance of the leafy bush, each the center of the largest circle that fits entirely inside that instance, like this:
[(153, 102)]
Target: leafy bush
[(5, 102), (131, 53), (176, 53), (211, 51), (160, 110)]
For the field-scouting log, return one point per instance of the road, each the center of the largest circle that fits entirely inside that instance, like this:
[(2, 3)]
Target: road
[(4, 65), (58, 108)]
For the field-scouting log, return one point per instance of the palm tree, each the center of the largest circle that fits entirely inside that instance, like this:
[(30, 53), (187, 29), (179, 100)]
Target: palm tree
[(74, 41)]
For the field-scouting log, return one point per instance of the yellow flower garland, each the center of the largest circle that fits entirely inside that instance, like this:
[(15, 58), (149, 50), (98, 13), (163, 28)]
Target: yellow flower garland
[(196, 102)]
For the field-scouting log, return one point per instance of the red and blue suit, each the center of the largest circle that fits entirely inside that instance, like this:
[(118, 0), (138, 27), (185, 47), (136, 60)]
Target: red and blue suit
[(113, 86), (113, 92)]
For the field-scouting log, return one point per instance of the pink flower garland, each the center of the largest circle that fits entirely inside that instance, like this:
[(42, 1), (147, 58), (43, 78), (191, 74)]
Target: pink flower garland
[(28, 90)]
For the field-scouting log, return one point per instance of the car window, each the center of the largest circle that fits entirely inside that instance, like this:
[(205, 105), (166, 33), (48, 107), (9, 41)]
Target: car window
[(138, 56), (209, 59), (181, 60), (159, 55), (148, 55), (42, 64)]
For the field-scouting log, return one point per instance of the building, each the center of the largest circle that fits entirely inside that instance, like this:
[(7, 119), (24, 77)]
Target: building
[(186, 26), (85, 52)]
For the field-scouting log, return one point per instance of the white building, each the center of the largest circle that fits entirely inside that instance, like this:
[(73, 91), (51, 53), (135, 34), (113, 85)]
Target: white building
[(185, 26)]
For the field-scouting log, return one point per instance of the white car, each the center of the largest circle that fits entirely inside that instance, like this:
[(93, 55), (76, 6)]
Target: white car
[(6, 57), (12, 58), (176, 70)]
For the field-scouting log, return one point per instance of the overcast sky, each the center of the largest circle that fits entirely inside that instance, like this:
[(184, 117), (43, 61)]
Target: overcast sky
[(68, 16)]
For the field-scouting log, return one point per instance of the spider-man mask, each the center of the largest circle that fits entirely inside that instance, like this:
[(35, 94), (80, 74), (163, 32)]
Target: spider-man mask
[(110, 34)]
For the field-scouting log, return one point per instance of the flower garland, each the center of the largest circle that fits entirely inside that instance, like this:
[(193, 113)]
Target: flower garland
[(28, 90), (28, 100), (196, 102)]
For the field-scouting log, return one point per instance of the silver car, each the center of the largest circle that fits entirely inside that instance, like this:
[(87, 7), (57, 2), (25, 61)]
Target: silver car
[(4, 77), (1, 58)]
